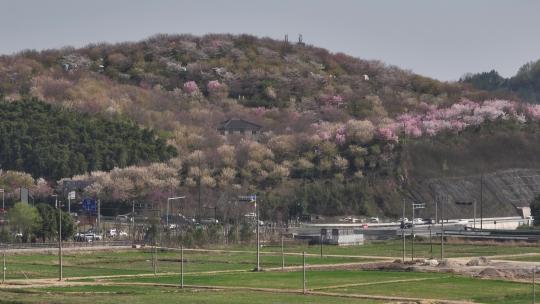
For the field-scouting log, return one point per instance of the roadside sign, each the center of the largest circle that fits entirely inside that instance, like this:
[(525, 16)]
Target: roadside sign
[(89, 205), (71, 195), (248, 198)]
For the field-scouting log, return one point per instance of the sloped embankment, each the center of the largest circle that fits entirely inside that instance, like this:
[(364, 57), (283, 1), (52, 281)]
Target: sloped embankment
[(498, 164)]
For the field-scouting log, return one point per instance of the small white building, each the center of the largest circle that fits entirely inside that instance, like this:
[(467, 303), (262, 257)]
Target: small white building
[(340, 236)]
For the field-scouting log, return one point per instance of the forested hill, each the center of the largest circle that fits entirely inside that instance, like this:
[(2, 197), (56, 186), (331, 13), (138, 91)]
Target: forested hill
[(254, 71), (524, 85), (336, 133), (51, 142)]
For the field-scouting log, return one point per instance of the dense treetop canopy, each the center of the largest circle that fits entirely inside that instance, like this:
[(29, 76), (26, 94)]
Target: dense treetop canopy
[(336, 130), (524, 85), (52, 142)]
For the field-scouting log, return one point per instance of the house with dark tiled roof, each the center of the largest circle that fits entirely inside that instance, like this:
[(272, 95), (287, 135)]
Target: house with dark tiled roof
[(239, 126)]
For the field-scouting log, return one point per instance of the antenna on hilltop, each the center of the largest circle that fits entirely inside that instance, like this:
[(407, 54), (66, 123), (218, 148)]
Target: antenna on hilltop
[(300, 40), (286, 38)]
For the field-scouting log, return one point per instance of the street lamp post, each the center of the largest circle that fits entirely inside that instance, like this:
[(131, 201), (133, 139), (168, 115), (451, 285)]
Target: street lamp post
[(253, 199), (403, 232), (61, 274), (3, 203), (442, 228), (168, 203), (534, 284), (470, 203), (60, 268), (414, 207), (258, 236)]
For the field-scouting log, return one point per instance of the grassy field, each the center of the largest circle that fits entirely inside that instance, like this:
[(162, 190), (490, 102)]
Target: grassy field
[(221, 269), (139, 295), (423, 249), (34, 266), (286, 280), (401, 284), (452, 288)]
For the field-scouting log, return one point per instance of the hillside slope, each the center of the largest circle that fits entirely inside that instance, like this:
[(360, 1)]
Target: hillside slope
[(340, 135), (49, 142)]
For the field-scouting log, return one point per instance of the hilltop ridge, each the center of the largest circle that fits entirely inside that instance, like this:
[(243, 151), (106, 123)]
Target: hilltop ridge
[(339, 135)]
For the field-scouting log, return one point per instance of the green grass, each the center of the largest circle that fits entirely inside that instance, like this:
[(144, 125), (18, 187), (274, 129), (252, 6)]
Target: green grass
[(413, 284), (142, 294), (526, 258), (140, 261), (394, 249), (284, 280), (452, 288)]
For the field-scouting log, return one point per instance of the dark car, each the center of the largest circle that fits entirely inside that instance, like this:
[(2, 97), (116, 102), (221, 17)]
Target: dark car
[(428, 221), (405, 225)]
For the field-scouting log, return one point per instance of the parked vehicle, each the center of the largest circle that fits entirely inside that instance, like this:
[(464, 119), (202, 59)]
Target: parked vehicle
[(403, 220), (418, 221), (88, 236), (123, 218), (113, 232), (349, 219), (428, 221), (373, 220), (207, 221)]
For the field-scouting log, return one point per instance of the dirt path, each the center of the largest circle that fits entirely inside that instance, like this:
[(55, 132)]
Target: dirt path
[(402, 300), (285, 253), (375, 283)]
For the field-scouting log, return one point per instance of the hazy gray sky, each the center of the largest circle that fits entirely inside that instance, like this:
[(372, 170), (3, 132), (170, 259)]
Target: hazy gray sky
[(442, 39)]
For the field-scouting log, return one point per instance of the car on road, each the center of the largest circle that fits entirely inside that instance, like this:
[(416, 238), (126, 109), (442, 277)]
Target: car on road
[(123, 218), (418, 221), (113, 232), (405, 225), (349, 219), (208, 221), (428, 221), (462, 222), (88, 236), (373, 220)]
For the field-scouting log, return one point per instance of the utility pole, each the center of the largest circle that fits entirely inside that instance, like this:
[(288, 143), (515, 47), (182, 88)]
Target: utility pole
[(321, 242), (412, 234), (99, 217), (282, 254), (199, 187), (258, 238), (182, 266), (474, 211), (4, 268), (133, 220), (436, 209), (481, 199), (60, 270), (534, 285), (3, 202), (155, 256), (414, 207), (442, 229), (430, 243), (304, 272), (403, 231)]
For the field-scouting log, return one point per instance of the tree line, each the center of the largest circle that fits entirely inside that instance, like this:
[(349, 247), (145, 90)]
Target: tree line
[(53, 142)]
